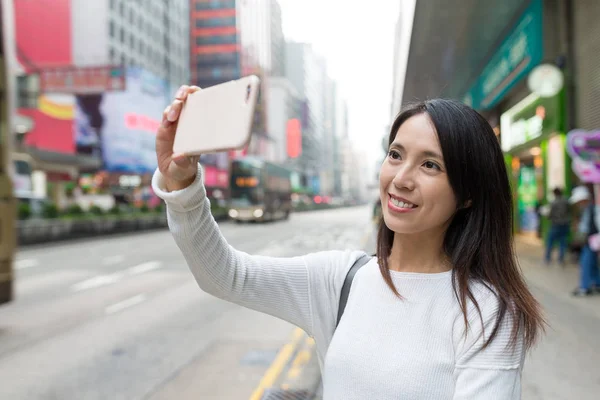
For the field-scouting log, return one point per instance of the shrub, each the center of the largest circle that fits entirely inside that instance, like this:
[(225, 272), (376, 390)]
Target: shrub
[(50, 210), (95, 210), (24, 211), (75, 210)]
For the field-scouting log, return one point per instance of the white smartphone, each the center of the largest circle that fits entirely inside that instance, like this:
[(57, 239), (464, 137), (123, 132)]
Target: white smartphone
[(218, 118)]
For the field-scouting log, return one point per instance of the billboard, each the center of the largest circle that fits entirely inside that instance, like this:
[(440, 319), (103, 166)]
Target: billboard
[(80, 80), (120, 127)]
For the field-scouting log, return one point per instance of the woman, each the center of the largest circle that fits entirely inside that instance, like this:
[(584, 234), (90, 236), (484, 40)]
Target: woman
[(442, 312)]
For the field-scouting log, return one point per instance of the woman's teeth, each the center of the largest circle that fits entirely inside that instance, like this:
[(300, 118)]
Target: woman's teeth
[(401, 204)]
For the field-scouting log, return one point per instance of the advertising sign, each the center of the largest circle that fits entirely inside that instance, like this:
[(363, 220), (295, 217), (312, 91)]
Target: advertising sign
[(82, 80), (121, 126), (518, 54), (584, 149), (527, 190)]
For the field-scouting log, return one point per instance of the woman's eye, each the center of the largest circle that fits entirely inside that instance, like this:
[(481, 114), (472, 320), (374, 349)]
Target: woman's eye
[(394, 155), (431, 165)]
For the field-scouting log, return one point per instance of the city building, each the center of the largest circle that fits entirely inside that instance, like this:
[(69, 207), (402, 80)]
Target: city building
[(306, 71), (329, 149), (277, 41), (93, 81), (284, 105), (230, 39), (530, 69)]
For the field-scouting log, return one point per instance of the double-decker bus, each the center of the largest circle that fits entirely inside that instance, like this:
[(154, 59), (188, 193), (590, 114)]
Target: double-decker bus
[(259, 190)]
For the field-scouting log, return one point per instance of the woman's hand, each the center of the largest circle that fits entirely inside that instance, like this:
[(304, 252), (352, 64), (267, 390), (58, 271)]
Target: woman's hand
[(178, 170)]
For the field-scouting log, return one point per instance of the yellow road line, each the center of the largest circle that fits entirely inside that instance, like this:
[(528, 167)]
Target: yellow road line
[(284, 355), (302, 358)]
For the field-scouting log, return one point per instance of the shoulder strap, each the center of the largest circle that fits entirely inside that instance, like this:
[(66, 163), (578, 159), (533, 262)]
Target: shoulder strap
[(362, 260)]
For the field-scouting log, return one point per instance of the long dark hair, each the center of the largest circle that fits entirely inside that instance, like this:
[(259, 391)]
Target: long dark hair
[(479, 240)]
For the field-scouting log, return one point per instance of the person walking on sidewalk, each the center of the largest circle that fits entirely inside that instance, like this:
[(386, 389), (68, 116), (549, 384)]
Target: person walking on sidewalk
[(589, 281), (441, 313), (560, 219)]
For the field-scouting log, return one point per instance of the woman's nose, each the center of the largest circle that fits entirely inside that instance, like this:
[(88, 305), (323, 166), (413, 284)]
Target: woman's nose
[(404, 178)]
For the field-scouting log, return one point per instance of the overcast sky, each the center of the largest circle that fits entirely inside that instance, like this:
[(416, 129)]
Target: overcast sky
[(356, 38)]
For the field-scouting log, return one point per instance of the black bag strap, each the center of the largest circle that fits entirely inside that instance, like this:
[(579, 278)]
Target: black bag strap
[(362, 260)]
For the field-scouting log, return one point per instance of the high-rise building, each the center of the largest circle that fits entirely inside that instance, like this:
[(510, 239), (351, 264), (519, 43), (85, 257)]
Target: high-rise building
[(277, 41), (306, 71), (329, 142), (151, 34), (284, 105), (214, 42), (230, 39)]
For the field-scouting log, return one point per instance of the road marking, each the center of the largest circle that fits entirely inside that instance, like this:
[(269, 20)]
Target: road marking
[(103, 280), (145, 267), (130, 302), (112, 260), (26, 263), (302, 358), (283, 357)]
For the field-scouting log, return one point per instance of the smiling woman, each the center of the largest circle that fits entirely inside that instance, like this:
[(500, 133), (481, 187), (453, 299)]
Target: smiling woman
[(444, 186), (441, 313)]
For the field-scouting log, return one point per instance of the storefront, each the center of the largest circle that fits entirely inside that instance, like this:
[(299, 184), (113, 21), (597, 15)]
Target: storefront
[(534, 142)]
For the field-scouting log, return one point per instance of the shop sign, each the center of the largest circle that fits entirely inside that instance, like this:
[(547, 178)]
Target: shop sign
[(530, 119), (518, 54), (524, 130), (82, 80), (584, 149)]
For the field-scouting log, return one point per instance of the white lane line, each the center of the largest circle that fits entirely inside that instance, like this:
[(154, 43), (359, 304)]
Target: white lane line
[(112, 260), (130, 302), (26, 263), (103, 280), (145, 267)]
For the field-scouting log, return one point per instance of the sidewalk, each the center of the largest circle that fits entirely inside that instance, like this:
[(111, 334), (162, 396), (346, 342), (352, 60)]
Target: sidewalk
[(554, 279)]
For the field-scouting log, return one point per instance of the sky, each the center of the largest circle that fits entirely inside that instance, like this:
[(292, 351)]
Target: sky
[(357, 40)]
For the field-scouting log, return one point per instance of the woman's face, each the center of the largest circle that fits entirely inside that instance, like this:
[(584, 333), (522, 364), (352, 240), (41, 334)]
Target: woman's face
[(415, 192)]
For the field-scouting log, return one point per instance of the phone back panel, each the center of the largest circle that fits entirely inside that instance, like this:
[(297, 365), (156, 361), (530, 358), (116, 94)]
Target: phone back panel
[(218, 118)]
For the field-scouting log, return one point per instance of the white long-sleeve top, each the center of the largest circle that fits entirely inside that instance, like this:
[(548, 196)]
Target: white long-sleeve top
[(414, 348)]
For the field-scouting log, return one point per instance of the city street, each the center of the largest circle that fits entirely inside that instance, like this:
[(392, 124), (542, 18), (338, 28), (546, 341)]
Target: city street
[(122, 318)]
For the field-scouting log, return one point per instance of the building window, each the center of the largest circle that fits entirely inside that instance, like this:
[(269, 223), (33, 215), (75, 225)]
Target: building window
[(215, 4), (111, 54), (131, 16), (142, 48), (121, 9), (122, 35), (214, 22), (111, 28), (132, 41), (221, 39), (112, 4), (122, 59)]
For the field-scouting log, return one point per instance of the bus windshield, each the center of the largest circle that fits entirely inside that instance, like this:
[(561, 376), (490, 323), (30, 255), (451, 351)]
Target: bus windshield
[(246, 185)]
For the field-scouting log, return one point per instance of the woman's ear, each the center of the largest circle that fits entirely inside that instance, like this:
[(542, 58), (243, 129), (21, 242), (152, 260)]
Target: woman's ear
[(467, 204)]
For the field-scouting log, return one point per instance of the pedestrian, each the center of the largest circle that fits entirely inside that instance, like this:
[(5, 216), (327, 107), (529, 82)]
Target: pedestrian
[(589, 276), (560, 219), (442, 311)]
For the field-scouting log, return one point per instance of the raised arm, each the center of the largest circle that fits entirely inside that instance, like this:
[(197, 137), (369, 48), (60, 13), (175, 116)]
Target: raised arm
[(300, 290)]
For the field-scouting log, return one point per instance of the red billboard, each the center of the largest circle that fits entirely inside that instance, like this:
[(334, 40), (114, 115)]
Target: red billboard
[(294, 138), (43, 38)]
